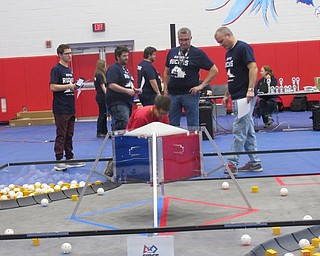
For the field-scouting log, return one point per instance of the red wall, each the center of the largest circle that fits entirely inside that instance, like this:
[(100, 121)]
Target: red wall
[(24, 81)]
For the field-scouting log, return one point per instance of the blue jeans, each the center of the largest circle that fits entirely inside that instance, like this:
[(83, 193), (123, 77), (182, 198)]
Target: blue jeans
[(190, 103), (120, 116), (243, 135)]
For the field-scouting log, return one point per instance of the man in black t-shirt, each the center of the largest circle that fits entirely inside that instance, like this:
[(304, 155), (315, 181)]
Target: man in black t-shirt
[(241, 69), (120, 90), (181, 79), (63, 107), (149, 80)]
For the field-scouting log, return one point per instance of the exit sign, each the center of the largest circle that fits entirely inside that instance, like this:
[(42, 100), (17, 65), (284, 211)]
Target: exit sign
[(98, 27)]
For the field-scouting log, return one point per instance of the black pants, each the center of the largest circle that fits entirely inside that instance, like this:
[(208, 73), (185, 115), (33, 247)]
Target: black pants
[(102, 118), (267, 107), (64, 133)]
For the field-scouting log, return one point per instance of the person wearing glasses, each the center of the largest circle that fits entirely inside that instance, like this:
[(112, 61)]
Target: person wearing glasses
[(63, 107), (151, 113), (181, 79)]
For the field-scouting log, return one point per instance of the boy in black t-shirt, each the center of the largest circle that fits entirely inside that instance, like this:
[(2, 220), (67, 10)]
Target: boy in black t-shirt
[(63, 107)]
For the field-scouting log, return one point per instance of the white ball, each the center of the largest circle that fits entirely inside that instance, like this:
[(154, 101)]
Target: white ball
[(225, 185), (303, 243), (31, 187), (74, 182), (307, 217), (245, 240), (37, 184), (9, 231), (82, 184), (72, 185), (66, 248), (284, 192), (44, 202), (289, 254), (100, 191), (12, 194)]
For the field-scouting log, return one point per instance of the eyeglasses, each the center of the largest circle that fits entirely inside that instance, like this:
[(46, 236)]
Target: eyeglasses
[(184, 39), (67, 53)]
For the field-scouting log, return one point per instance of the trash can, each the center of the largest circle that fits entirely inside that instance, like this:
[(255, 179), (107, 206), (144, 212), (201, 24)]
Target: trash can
[(205, 118), (316, 117)]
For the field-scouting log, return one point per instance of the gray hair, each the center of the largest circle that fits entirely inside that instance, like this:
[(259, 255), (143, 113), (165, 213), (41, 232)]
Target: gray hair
[(184, 31)]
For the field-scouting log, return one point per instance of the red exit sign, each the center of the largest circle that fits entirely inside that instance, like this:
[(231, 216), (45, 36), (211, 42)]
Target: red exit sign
[(98, 27)]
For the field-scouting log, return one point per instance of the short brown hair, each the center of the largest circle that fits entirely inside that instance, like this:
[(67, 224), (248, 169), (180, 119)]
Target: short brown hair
[(162, 102)]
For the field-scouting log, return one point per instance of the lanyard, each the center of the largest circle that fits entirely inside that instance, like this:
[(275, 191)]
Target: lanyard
[(182, 57)]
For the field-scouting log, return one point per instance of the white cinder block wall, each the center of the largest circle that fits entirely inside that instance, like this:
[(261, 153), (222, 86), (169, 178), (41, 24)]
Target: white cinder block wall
[(26, 25)]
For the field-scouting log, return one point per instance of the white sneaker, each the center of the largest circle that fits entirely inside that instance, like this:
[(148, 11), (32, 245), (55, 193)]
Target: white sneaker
[(75, 164), (61, 167)]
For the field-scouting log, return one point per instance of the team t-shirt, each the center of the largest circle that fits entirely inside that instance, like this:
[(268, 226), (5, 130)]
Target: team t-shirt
[(63, 101), (237, 60), (147, 72), (184, 68), (119, 75)]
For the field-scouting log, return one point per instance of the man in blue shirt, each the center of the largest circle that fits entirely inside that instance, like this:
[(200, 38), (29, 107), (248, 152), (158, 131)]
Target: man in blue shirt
[(242, 73), (181, 79), (149, 80)]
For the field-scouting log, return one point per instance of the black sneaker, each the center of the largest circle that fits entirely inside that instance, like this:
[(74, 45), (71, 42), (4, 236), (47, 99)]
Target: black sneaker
[(109, 170), (101, 135), (232, 168), (250, 168), (269, 122)]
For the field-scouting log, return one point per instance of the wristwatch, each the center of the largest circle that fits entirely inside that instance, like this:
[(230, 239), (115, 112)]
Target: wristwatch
[(250, 89)]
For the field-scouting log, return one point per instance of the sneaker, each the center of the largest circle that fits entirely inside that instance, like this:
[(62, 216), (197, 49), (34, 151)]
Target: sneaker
[(109, 170), (75, 164), (269, 122), (233, 169), (250, 168), (60, 167), (101, 135)]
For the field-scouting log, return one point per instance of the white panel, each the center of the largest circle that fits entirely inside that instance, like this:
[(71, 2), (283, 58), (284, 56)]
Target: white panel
[(153, 246), (26, 25)]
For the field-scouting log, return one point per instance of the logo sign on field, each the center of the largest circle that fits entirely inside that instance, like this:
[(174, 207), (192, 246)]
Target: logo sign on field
[(150, 246)]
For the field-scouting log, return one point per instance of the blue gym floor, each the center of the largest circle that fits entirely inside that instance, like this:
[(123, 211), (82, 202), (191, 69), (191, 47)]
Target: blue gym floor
[(186, 203), (35, 144)]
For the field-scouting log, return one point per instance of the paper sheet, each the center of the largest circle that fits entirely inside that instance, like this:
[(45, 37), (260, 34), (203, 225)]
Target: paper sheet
[(243, 107)]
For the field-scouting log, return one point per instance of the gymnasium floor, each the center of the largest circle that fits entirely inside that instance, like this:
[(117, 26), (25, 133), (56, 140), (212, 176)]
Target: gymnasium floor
[(193, 203)]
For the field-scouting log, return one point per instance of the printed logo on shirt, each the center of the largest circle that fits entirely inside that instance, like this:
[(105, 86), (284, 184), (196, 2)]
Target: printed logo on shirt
[(180, 60)]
